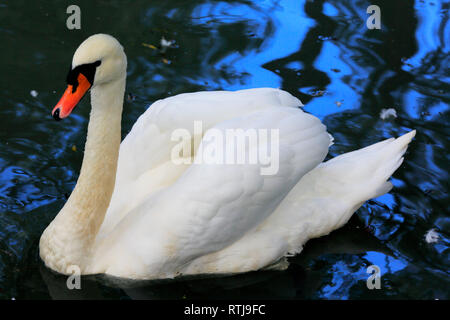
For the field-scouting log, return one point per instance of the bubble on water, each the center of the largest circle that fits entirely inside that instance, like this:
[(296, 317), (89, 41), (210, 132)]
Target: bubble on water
[(388, 113), (167, 43), (432, 236)]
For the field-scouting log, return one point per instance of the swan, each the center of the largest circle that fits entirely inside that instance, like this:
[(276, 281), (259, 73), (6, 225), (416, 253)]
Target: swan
[(135, 213)]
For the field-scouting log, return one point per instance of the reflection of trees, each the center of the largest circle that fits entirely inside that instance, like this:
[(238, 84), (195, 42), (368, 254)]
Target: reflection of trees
[(388, 82), (407, 283), (382, 77), (307, 54), (363, 50), (206, 33)]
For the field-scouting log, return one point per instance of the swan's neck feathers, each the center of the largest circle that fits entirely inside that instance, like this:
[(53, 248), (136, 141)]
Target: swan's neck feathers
[(68, 240)]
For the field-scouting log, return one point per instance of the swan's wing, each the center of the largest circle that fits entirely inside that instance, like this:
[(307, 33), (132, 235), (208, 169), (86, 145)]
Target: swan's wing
[(213, 205), (149, 143), (322, 201), (325, 198), (144, 164)]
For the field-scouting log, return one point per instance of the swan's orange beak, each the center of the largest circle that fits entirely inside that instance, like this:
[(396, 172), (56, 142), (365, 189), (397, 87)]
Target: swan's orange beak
[(71, 97)]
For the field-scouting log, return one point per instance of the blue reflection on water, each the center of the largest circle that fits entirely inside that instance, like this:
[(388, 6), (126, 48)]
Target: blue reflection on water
[(321, 52), (290, 30), (386, 263)]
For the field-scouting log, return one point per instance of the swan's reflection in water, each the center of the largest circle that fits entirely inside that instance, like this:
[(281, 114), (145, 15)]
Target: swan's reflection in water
[(300, 280)]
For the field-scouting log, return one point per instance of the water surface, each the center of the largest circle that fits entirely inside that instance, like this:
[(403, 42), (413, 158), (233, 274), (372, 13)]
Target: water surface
[(320, 51)]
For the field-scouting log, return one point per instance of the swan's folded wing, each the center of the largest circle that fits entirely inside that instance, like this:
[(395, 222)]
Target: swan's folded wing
[(213, 205), (326, 197), (322, 201), (149, 143), (144, 164)]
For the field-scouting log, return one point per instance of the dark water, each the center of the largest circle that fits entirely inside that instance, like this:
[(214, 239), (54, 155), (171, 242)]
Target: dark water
[(320, 51)]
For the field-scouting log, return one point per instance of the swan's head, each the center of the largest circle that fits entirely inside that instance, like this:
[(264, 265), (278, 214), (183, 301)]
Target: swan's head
[(100, 59)]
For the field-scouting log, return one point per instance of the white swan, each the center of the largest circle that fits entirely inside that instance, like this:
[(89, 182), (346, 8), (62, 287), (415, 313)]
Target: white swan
[(134, 213)]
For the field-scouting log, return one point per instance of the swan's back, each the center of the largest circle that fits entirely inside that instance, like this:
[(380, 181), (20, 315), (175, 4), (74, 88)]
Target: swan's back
[(145, 165), (208, 206), (149, 143), (166, 219)]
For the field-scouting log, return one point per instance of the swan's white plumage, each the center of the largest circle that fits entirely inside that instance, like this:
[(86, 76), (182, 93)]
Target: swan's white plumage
[(211, 206), (144, 159), (322, 201), (158, 219), (149, 140)]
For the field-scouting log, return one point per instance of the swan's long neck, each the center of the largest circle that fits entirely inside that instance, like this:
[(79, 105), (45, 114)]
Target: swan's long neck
[(68, 240), (95, 184)]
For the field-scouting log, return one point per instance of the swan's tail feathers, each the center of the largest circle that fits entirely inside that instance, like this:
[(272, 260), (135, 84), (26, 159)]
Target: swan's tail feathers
[(328, 195), (363, 174), (391, 159)]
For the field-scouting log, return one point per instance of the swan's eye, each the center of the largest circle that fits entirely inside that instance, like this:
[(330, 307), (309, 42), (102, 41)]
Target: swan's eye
[(88, 70)]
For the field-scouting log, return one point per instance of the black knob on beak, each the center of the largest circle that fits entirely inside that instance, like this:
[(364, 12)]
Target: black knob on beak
[(56, 115)]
